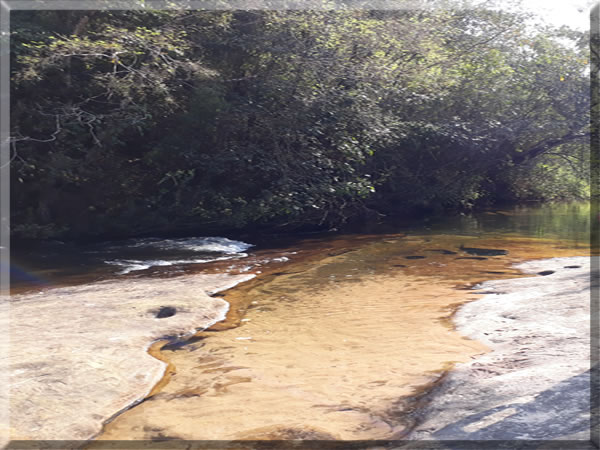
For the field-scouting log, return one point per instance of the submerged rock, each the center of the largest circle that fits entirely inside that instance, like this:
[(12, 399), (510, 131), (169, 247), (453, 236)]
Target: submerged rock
[(483, 251), (442, 251)]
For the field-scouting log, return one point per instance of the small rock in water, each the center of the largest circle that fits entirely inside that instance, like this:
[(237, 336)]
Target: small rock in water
[(414, 257), (483, 251), (572, 267), (399, 265), (478, 258), (546, 272), (443, 251), (165, 311)]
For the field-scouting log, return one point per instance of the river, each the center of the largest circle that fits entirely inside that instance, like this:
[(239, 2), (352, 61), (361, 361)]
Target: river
[(338, 334)]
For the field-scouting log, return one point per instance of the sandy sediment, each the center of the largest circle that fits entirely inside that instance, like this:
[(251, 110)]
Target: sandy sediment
[(321, 353), (535, 383), (78, 355)]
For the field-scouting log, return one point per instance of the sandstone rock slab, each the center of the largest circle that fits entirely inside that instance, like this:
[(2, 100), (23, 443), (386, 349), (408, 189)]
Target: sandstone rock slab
[(535, 383), (78, 355)]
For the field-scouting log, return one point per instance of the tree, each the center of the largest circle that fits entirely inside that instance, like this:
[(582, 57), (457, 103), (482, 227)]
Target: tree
[(230, 119)]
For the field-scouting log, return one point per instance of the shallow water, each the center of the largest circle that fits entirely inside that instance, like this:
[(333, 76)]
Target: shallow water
[(55, 263), (337, 342)]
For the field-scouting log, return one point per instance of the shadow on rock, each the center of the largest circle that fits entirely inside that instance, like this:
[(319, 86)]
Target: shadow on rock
[(558, 412)]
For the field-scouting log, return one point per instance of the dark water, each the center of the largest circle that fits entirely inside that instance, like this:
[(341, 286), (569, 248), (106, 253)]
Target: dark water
[(569, 221), (50, 263)]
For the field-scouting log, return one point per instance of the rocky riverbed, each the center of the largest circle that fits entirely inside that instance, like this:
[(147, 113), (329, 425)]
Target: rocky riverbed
[(535, 383), (78, 355)]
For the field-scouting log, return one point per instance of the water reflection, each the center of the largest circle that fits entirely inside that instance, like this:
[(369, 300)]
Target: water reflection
[(558, 220), (56, 263)]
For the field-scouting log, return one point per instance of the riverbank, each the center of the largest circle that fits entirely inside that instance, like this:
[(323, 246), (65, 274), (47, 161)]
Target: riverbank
[(79, 355), (535, 382)]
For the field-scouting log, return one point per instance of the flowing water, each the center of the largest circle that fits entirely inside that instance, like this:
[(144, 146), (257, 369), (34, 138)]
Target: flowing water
[(338, 335)]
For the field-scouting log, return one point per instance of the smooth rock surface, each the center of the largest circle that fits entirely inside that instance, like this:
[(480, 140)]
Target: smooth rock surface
[(535, 383), (78, 355)]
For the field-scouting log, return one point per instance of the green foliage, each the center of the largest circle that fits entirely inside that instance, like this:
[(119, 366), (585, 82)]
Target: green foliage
[(142, 121), (563, 175)]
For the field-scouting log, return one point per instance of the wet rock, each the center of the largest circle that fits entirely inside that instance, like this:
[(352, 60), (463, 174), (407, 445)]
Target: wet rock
[(399, 265), (442, 251), (166, 311), (185, 344), (572, 267), (546, 272), (478, 258), (483, 251), (415, 257)]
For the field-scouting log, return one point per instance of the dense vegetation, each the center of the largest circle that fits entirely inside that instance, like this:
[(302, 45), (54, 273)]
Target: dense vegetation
[(129, 122)]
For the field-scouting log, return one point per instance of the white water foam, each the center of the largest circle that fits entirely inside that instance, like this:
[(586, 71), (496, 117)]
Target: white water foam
[(280, 259), (200, 244), (130, 265), (221, 247)]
